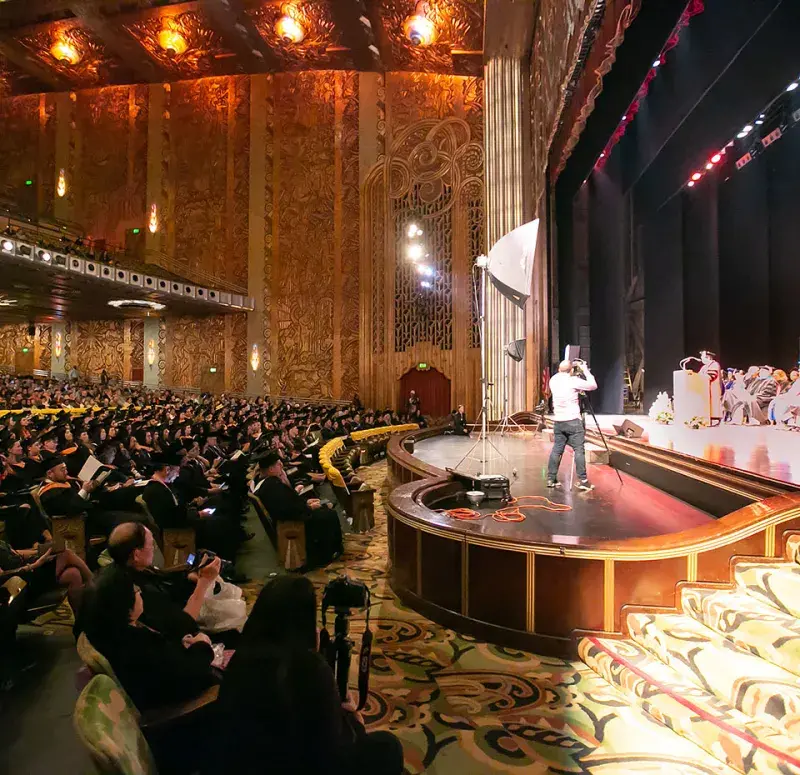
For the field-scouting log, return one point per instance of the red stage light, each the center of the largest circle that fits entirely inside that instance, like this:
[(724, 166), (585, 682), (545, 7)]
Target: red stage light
[(709, 166), (716, 157), (696, 176)]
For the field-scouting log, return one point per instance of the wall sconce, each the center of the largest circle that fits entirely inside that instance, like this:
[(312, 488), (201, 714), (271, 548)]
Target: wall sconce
[(57, 345), (61, 183), (288, 28), (419, 29), (255, 360), (152, 224), (151, 352), (65, 51), (171, 40)]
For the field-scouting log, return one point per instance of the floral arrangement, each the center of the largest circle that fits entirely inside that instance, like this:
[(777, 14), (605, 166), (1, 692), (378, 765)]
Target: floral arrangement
[(661, 410), (696, 422)]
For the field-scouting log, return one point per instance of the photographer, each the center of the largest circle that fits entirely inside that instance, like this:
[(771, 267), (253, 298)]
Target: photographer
[(565, 388), (280, 707)]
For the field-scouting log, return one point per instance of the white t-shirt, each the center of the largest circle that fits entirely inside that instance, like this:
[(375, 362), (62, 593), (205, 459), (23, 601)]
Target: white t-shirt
[(565, 388)]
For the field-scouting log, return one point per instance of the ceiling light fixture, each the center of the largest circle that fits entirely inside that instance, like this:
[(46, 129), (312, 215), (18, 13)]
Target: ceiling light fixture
[(171, 40), (136, 304), (792, 86), (288, 28), (6, 302), (66, 52), (418, 28)]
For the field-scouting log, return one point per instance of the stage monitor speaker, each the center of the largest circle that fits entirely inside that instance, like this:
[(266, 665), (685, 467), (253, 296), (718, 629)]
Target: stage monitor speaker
[(511, 262), (516, 350), (629, 429)]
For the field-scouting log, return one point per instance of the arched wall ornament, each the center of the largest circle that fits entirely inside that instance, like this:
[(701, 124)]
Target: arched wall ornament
[(433, 175)]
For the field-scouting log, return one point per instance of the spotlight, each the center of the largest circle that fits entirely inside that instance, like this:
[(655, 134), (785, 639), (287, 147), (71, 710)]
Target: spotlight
[(8, 246), (425, 270), (792, 86), (709, 166), (745, 131), (425, 284), (696, 176), (45, 256), (288, 29), (759, 122), (414, 231), (419, 29), (414, 252), (65, 51), (691, 184), (716, 158), (657, 63)]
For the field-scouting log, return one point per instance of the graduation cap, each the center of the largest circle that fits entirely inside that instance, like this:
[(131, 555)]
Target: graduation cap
[(52, 462), (268, 459)]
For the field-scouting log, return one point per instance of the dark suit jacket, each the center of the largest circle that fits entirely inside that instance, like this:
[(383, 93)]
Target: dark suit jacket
[(163, 505), (282, 502)]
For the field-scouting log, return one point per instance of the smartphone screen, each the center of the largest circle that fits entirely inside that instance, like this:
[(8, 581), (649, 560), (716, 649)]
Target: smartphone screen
[(190, 560)]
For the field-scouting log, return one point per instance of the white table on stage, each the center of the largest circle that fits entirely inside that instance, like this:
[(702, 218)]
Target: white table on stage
[(691, 396)]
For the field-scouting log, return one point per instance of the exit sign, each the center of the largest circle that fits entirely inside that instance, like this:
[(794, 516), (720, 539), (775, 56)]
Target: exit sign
[(422, 367), (213, 369), (25, 349)]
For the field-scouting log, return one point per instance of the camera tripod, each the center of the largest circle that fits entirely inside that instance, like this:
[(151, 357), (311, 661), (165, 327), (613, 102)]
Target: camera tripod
[(338, 652), (588, 402)]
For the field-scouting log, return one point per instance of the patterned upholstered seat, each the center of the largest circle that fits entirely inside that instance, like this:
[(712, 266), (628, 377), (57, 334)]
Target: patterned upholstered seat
[(107, 724)]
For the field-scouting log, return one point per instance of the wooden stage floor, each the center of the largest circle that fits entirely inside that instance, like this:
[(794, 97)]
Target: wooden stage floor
[(760, 449), (611, 511)]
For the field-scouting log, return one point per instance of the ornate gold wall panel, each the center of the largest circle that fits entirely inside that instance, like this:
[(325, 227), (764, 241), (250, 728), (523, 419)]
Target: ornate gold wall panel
[(13, 337), (236, 353), (559, 32), (44, 332), (110, 172), (193, 345), (136, 344), (98, 345), (19, 142), (207, 176)]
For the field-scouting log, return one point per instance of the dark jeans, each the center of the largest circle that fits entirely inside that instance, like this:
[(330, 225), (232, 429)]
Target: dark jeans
[(570, 432)]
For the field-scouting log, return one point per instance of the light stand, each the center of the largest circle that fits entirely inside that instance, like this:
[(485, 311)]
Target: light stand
[(483, 441), (507, 423)]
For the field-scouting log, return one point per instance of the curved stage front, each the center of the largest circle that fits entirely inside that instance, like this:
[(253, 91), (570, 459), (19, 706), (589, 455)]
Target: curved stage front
[(539, 583)]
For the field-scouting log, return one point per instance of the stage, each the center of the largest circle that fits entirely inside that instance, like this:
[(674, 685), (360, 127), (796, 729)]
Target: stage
[(759, 449), (611, 511)]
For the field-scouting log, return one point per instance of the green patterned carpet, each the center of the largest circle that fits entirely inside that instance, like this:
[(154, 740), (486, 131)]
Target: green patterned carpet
[(712, 689)]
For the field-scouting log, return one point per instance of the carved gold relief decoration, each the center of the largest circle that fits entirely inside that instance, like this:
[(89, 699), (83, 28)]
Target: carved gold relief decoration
[(58, 345), (109, 178), (236, 350), (45, 334), (72, 51), (137, 348), (458, 26), (192, 345), (303, 235), (100, 345), (13, 338), (322, 45), (19, 119), (195, 55), (559, 31)]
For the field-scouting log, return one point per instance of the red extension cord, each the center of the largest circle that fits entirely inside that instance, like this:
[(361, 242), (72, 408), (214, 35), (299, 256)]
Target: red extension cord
[(511, 513)]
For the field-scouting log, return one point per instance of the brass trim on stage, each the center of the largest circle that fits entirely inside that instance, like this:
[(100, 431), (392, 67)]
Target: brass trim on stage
[(530, 590), (608, 595), (691, 566), (770, 542)]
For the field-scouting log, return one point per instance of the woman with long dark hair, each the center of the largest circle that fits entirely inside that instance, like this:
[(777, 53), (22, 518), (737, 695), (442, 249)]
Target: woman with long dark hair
[(281, 710)]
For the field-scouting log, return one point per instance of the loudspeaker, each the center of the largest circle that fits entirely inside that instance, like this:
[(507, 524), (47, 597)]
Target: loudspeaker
[(176, 288), (136, 279), (90, 268), (201, 293), (516, 350), (213, 295), (162, 285), (189, 290), (121, 276), (629, 429), (151, 283), (106, 272), (511, 262), (225, 297), (75, 265)]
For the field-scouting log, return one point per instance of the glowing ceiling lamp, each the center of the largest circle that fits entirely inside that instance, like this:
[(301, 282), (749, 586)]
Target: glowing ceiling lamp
[(66, 52), (255, 360), (152, 224), (173, 43), (418, 28), (61, 183), (288, 28)]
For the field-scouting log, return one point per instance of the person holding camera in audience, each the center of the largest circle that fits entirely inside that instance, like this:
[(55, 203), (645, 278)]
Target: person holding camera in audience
[(280, 709), (566, 386)]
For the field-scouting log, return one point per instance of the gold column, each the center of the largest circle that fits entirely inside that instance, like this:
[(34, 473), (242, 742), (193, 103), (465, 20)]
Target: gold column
[(507, 140)]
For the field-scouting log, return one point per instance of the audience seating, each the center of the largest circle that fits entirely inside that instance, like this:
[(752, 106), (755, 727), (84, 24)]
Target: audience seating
[(176, 543), (100, 666), (288, 538), (107, 723)]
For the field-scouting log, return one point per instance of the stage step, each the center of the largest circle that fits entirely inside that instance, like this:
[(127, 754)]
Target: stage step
[(693, 713), (748, 623), (707, 659), (775, 583)]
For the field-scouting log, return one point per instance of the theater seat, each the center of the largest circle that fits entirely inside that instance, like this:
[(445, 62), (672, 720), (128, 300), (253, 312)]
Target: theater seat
[(107, 724), (288, 538)]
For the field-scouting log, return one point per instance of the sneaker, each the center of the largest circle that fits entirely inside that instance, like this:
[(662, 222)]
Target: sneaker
[(585, 486), (556, 485)]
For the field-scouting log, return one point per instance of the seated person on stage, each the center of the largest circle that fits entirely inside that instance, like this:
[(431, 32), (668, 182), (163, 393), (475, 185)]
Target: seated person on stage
[(155, 668), (44, 570), (734, 400), (279, 705), (173, 599), (786, 405), (323, 530), (568, 426), (762, 390), (460, 422)]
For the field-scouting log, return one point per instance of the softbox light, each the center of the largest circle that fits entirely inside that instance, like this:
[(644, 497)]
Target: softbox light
[(516, 350), (511, 262)]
